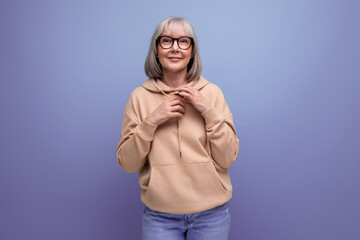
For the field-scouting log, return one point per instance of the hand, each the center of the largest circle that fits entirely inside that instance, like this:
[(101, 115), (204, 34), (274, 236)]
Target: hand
[(170, 108), (193, 96)]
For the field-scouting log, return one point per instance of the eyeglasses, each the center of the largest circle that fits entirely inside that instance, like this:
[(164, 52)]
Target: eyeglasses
[(167, 42)]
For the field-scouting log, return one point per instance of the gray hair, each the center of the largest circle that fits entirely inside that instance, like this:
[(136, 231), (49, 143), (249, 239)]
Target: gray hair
[(153, 68)]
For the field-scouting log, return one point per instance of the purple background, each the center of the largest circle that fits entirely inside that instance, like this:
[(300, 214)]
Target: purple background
[(289, 70)]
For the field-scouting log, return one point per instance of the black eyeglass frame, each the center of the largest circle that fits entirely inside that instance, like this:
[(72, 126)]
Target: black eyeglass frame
[(173, 40)]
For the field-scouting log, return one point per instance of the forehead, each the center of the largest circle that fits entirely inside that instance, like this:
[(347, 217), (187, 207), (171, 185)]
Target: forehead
[(175, 29)]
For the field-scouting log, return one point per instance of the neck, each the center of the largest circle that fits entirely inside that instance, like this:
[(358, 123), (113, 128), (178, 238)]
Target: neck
[(174, 80)]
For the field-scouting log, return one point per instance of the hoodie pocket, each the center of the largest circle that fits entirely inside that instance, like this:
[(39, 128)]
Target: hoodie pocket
[(217, 180), (185, 186)]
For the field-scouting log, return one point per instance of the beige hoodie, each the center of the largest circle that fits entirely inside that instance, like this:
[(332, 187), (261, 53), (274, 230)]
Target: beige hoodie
[(183, 162)]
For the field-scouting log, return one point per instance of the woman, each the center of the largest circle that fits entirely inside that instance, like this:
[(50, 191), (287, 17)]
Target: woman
[(179, 134)]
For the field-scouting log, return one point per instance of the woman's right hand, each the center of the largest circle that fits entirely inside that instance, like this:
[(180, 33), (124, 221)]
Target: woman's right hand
[(170, 108)]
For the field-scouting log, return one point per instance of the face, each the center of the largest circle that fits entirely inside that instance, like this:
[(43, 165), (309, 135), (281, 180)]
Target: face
[(174, 59)]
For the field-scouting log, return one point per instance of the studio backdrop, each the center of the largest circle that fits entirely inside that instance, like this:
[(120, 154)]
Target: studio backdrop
[(289, 71)]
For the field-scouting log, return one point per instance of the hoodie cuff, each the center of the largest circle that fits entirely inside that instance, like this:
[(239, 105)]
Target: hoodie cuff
[(211, 116), (147, 130)]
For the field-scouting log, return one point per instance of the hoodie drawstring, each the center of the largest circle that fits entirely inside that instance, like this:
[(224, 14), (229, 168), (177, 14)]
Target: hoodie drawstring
[(179, 139), (178, 121)]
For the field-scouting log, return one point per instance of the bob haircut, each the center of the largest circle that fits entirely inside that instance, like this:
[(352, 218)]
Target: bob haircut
[(153, 68)]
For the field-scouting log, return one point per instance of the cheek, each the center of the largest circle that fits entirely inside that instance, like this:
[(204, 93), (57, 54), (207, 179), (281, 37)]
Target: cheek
[(189, 56), (190, 53), (160, 53), (161, 59), (161, 56)]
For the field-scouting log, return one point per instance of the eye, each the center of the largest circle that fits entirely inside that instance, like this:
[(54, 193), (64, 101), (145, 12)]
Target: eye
[(166, 40), (184, 40)]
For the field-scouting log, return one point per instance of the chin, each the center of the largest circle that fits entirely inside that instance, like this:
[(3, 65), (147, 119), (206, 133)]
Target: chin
[(175, 70)]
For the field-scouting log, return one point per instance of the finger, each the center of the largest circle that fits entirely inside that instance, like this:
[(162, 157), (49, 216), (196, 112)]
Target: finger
[(187, 96), (177, 108), (189, 87), (184, 89), (172, 99), (176, 114), (189, 91), (178, 101)]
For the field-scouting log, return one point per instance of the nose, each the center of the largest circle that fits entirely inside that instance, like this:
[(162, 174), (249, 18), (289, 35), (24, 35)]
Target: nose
[(175, 45)]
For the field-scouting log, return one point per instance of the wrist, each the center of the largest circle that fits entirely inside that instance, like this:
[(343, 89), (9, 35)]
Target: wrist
[(205, 108), (150, 120)]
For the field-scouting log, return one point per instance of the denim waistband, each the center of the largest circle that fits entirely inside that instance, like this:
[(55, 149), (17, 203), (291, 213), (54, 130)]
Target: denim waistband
[(222, 206)]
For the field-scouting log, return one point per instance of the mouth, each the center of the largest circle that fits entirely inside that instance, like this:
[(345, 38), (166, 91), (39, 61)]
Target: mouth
[(174, 59)]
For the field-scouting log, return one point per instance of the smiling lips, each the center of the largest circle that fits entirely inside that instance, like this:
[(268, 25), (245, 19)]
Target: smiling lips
[(174, 59)]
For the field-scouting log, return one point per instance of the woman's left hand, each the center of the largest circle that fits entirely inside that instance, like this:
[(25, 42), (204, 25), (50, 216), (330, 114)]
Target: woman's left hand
[(192, 96)]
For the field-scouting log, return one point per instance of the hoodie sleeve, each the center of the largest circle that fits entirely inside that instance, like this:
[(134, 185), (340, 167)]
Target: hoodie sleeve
[(135, 141), (221, 133)]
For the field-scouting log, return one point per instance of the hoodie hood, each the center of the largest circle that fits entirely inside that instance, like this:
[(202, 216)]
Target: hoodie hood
[(157, 86)]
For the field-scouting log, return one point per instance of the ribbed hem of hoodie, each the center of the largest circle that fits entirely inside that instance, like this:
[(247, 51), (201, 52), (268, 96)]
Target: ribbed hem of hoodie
[(147, 130), (211, 116)]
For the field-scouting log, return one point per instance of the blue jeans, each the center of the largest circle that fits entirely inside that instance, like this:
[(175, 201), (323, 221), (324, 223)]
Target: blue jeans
[(209, 224)]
